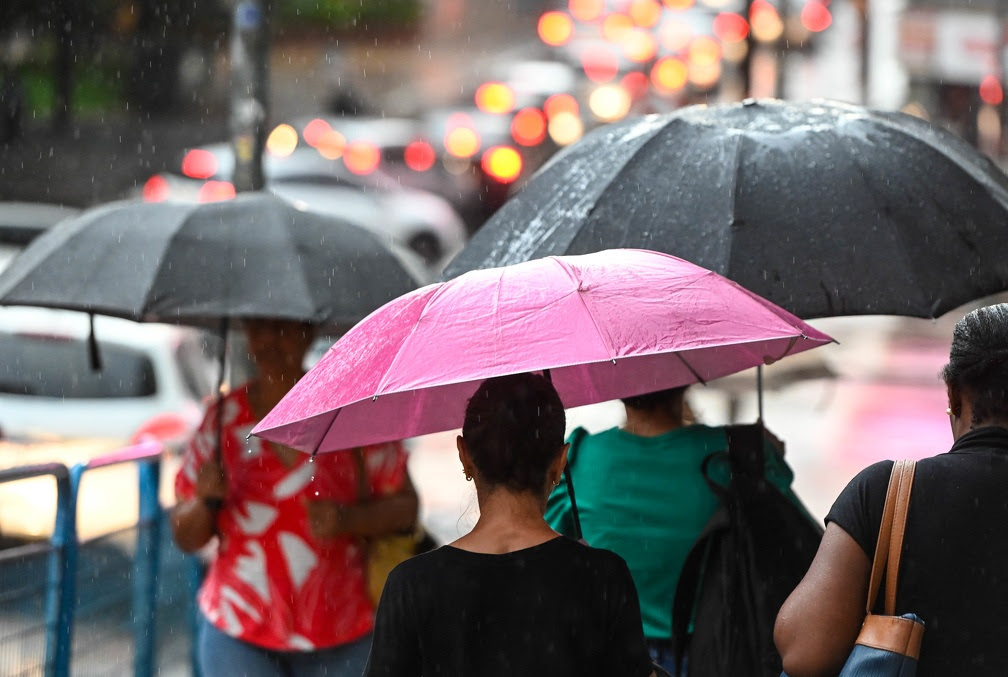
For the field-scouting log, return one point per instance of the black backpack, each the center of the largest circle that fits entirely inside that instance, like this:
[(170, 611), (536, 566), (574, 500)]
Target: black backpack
[(750, 556)]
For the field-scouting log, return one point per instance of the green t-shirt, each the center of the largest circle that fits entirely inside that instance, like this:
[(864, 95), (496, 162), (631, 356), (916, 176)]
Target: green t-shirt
[(646, 499)]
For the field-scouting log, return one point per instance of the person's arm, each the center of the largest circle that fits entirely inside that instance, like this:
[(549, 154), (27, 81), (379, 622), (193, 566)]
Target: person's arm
[(392, 514), (819, 622), (194, 519)]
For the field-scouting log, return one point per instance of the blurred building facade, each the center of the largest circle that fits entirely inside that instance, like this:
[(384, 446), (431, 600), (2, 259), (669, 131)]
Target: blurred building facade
[(955, 52)]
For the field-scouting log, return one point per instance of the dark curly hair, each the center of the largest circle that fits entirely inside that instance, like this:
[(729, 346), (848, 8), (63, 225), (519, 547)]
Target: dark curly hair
[(978, 361), (514, 429), (660, 399)]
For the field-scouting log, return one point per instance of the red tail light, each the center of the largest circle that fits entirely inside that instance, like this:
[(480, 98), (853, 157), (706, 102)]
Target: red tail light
[(156, 189), (216, 191), (502, 163), (199, 164)]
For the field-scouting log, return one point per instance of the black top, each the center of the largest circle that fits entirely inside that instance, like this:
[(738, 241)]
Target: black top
[(556, 609), (954, 570)]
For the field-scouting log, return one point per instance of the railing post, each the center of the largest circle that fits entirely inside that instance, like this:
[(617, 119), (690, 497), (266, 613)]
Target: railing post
[(65, 540), (146, 563), (57, 605)]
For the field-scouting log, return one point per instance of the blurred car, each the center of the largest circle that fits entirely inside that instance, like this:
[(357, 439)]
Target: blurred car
[(152, 378), (382, 188)]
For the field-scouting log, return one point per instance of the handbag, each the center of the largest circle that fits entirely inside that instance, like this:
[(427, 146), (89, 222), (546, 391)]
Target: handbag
[(888, 645), (385, 553)]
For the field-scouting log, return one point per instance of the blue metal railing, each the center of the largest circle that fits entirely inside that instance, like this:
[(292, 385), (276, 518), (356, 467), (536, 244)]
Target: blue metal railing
[(64, 592)]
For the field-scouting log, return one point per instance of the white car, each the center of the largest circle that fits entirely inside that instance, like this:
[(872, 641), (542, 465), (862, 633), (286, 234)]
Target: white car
[(153, 378), (412, 218)]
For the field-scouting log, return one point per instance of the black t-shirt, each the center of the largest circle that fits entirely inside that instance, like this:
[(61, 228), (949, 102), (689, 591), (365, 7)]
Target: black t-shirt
[(954, 569), (556, 609)]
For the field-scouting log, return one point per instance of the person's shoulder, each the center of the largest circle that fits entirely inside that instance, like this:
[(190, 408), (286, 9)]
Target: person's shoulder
[(595, 559), (874, 475)]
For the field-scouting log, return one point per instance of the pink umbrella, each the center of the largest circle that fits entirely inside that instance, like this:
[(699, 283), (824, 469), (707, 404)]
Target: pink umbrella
[(607, 325)]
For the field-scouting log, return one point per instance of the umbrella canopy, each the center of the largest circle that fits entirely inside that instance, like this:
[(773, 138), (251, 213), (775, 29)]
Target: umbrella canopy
[(823, 208), (254, 256), (607, 325)]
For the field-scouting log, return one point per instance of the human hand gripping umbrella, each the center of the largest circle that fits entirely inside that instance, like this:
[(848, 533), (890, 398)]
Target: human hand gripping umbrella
[(606, 325)]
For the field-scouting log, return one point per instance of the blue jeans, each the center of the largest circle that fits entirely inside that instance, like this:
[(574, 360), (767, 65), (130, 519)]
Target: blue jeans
[(221, 655), (663, 656)]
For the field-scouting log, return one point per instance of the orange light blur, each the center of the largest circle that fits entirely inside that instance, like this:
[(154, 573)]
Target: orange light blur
[(462, 142), (645, 13), (991, 91), (815, 16), (561, 103), (705, 76), (600, 65), (640, 46), (495, 97), (528, 128), (731, 27), (669, 75), (636, 84), (314, 131), (678, 4), (586, 10), (282, 141), (675, 35), (502, 163), (361, 157), (765, 22), (616, 26), (199, 164), (555, 28), (704, 51), (156, 189), (216, 191), (419, 156), (331, 145), (565, 128)]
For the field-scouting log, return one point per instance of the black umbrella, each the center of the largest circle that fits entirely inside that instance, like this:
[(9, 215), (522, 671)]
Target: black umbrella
[(254, 256), (823, 208)]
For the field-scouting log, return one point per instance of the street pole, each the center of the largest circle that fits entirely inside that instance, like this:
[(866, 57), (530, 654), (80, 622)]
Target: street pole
[(249, 91)]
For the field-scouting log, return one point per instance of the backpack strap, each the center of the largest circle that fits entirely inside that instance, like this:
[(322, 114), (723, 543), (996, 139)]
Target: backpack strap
[(890, 538), (575, 440)]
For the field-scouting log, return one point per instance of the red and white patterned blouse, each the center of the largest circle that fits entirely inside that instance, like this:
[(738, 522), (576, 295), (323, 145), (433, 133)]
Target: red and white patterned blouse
[(272, 583)]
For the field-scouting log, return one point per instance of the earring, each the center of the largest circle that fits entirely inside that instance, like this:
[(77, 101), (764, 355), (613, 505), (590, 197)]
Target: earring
[(948, 411), (467, 476)]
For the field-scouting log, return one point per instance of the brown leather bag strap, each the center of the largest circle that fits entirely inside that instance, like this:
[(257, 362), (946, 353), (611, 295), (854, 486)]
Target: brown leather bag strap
[(896, 535), (885, 531)]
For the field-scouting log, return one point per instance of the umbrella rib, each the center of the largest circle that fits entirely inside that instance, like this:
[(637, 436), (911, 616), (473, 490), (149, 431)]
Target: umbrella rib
[(689, 366), (157, 269)]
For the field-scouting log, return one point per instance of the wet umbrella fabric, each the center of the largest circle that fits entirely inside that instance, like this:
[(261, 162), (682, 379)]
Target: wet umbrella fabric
[(255, 256), (607, 325), (823, 208)]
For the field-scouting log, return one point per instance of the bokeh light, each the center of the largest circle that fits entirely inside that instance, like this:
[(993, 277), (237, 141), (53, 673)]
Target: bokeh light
[(645, 13), (815, 16), (616, 26), (331, 144), (216, 191), (361, 157), (678, 4), (764, 21), (555, 28), (314, 131), (640, 45), (586, 10), (528, 128), (199, 164), (502, 163), (705, 75), (600, 64), (704, 51), (565, 128), (462, 141), (731, 27), (282, 141), (419, 155), (495, 97), (636, 84), (991, 91), (609, 103), (669, 75), (561, 103), (156, 189)]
